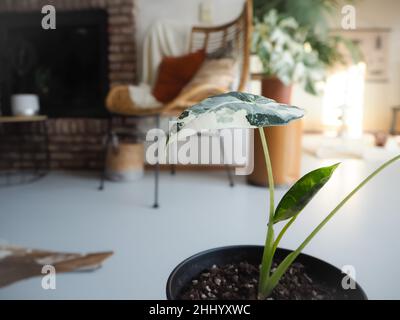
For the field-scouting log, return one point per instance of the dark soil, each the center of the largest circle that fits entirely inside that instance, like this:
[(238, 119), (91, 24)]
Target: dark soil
[(240, 282)]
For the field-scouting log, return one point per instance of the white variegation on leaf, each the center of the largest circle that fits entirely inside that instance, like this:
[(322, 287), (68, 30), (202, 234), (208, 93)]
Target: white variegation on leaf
[(233, 110)]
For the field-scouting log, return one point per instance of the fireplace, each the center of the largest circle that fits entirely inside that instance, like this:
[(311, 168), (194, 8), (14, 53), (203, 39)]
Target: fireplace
[(66, 67), (91, 49)]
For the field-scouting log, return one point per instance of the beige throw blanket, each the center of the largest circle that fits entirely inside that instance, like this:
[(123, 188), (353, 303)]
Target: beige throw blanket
[(164, 38)]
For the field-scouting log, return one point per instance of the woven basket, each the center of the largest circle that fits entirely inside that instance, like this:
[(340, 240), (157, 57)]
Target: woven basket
[(125, 162)]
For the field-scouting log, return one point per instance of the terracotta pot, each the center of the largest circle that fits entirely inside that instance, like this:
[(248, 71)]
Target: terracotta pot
[(284, 142)]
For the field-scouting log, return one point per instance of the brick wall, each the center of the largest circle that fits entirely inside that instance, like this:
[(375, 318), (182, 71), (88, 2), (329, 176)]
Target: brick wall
[(72, 143), (76, 143)]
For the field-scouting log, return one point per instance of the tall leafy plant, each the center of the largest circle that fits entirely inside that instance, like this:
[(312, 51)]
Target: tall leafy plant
[(282, 47), (293, 41), (309, 13), (243, 110)]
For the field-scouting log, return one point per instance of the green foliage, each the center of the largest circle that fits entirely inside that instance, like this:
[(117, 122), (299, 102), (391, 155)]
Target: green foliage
[(282, 46), (293, 41), (301, 193), (310, 13), (273, 279)]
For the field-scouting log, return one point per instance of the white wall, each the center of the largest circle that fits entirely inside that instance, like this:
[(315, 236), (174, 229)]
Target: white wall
[(379, 97), (187, 11)]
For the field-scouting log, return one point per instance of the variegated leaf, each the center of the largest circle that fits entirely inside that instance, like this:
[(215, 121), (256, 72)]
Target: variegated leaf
[(234, 110)]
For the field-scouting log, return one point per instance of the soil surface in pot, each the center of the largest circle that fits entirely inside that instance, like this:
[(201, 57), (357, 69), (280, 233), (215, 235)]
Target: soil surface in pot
[(240, 282)]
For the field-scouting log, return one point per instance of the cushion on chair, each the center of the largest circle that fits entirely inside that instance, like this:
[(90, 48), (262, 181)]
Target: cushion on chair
[(174, 73), (220, 73)]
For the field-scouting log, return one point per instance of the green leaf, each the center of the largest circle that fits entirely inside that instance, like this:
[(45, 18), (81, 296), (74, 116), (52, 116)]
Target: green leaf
[(286, 263), (301, 193), (234, 110)]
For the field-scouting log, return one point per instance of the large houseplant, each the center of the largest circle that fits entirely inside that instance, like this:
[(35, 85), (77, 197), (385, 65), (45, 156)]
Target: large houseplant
[(241, 110), (293, 41), (294, 45)]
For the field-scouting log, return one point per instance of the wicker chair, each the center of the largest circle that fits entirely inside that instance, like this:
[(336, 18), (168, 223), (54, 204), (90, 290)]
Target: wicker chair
[(236, 34)]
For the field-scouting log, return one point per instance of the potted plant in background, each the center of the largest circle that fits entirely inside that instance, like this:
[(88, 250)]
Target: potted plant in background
[(22, 59), (294, 45), (233, 272)]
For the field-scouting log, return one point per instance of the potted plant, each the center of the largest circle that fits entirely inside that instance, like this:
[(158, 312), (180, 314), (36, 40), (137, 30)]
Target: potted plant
[(233, 272), (21, 56), (294, 45)]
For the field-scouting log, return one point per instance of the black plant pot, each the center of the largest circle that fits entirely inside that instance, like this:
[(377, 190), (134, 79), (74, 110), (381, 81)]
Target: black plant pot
[(318, 270)]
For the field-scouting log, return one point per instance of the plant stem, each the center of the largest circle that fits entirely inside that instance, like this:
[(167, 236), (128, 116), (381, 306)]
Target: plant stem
[(270, 175), (268, 252), (284, 229), (285, 264)]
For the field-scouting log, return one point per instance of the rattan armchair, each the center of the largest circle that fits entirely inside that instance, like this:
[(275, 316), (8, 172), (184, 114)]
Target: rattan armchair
[(236, 34)]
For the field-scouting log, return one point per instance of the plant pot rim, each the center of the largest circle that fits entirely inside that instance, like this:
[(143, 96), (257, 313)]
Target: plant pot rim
[(174, 272)]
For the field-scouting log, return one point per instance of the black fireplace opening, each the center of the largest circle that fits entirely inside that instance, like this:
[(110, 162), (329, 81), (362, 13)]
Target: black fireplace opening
[(66, 67)]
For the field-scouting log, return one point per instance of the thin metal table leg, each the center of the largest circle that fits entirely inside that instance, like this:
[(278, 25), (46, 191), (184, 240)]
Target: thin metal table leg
[(36, 166), (157, 169), (20, 152), (6, 169), (106, 145), (47, 146)]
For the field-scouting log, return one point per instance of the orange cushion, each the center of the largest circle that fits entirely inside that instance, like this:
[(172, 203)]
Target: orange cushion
[(174, 73)]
